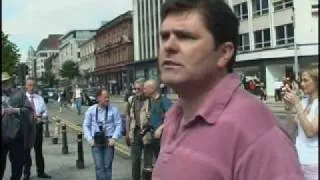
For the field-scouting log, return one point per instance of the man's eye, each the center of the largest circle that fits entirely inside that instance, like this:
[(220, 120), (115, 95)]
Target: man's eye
[(164, 37)]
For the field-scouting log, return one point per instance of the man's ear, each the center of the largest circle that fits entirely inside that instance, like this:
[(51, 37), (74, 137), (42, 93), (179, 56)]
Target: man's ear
[(226, 51)]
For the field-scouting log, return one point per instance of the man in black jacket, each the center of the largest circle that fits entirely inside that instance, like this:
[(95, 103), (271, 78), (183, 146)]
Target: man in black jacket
[(16, 108)]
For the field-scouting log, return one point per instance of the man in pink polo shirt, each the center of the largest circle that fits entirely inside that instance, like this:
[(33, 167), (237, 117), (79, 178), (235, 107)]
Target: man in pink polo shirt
[(216, 130)]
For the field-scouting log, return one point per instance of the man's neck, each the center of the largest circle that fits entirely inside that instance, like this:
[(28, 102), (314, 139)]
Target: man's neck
[(102, 106), (193, 96), (30, 93)]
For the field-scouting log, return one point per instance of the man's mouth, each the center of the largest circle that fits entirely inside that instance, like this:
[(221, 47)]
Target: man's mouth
[(170, 63)]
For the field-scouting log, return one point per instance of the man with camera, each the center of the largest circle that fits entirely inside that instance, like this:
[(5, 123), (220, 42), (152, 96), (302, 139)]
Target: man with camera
[(102, 127)]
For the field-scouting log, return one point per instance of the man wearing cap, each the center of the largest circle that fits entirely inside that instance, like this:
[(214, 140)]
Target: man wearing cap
[(16, 127)]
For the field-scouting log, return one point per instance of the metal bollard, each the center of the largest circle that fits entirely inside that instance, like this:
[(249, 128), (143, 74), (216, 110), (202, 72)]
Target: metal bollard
[(147, 173), (80, 160), (56, 132), (64, 139), (46, 131)]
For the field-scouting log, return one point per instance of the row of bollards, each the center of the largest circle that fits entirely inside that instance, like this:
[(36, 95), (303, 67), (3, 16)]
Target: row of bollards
[(63, 129)]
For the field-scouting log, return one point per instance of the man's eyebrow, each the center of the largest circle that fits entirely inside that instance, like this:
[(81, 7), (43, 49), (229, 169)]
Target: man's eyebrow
[(177, 31)]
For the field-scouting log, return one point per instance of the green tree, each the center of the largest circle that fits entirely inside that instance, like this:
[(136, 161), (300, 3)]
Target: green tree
[(10, 54), (21, 70), (49, 77), (69, 70)]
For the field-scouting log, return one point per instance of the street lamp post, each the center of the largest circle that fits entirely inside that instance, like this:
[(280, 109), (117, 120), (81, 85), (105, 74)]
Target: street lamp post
[(296, 63)]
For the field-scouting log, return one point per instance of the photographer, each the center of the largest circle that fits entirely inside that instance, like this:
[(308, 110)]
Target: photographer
[(307, 120), (102, 127)]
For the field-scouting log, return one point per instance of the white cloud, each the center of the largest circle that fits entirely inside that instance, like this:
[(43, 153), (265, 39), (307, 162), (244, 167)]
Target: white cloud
[(35, 19)]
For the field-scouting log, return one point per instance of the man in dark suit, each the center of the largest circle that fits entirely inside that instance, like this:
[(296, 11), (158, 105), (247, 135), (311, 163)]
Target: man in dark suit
[(17, 108), (39, 111)]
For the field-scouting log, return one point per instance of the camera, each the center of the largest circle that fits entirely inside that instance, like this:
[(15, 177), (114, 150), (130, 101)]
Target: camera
[(99, 137)]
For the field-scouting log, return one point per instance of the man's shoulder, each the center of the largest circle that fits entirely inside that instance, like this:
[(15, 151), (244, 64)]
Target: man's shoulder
[(248, 114), (113, 107), (92, 108)]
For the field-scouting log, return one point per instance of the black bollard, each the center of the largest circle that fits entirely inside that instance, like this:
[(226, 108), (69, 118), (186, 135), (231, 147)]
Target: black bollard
[(46, 131), (56, 132), (80, 161), (147, 173), (64, 139)]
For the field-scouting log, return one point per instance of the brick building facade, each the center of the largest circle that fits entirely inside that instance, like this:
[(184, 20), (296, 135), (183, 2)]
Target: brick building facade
[(114, 51)]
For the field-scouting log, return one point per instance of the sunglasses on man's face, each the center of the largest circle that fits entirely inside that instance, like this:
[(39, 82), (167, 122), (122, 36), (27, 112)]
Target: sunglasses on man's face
[(138, 89)]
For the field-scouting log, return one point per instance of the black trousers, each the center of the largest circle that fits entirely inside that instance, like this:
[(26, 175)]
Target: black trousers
[(15, 150), (150, 151), (38, 153), (277, 95)]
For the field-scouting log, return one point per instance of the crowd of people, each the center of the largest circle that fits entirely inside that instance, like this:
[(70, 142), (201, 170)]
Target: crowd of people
[(145, 111), (215, 130), (22, 116)]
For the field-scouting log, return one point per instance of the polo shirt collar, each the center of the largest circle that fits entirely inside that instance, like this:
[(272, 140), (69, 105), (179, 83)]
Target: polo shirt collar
[(216, 101)]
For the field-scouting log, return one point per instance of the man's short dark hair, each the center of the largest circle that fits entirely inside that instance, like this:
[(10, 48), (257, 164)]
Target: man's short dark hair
[(99, 92), (218, 17)]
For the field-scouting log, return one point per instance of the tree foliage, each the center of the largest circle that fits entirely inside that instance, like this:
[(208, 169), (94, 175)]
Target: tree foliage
[(10, 54), (49, 77), (69, 70), (21, 70)]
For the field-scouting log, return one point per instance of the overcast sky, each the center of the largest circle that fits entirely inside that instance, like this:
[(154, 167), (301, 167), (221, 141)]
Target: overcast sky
[(29, 21)]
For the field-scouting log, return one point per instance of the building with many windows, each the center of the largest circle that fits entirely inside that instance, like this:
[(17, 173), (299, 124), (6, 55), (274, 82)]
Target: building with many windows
[(69, 47), (46, 48), (87, 62), (114, 51), (273, 34), (146, 23)]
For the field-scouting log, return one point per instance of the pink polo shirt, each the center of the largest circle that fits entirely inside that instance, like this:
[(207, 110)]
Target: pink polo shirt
[(233, 136)]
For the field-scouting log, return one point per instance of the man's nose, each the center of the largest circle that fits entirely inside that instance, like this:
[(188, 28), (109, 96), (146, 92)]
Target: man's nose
[(171, 44)]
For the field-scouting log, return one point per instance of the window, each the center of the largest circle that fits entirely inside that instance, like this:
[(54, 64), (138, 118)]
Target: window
[(262, 38), (78, 54), (43, 55), (260, 7), (244, 43), (282, 4), (241, 11), (285, 34)]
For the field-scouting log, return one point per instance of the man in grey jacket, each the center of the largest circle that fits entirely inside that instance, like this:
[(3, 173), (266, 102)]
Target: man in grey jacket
[(18, 109)]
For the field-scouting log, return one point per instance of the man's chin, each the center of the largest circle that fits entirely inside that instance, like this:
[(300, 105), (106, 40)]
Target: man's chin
[(171, 80)]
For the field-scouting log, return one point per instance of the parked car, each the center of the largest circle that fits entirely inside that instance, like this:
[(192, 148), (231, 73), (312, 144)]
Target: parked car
[(89, 96), (53, 93)]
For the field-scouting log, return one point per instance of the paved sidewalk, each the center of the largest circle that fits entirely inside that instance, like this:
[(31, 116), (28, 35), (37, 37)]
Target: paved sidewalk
[(63, 167)]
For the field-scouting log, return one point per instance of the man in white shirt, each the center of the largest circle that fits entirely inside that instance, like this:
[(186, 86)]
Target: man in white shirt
[(39, 112), (77, 95)]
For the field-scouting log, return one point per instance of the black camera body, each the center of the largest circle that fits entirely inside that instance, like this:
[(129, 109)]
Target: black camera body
[(99, 137)]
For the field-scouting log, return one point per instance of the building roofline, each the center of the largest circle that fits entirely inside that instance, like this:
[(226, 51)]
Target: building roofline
[(116, 20), (73, 31), (90, 39)]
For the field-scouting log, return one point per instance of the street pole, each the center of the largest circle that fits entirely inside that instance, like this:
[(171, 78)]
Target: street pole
[(296, 63)]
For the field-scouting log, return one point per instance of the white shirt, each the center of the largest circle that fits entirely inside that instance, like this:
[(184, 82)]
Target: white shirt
[(308, 147), (40, 105), (78, 93)]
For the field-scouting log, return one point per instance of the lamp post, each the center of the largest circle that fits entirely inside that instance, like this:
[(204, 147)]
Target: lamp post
[(296, 63)]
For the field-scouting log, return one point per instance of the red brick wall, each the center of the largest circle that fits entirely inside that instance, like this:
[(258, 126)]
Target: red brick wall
[(118, 53)]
